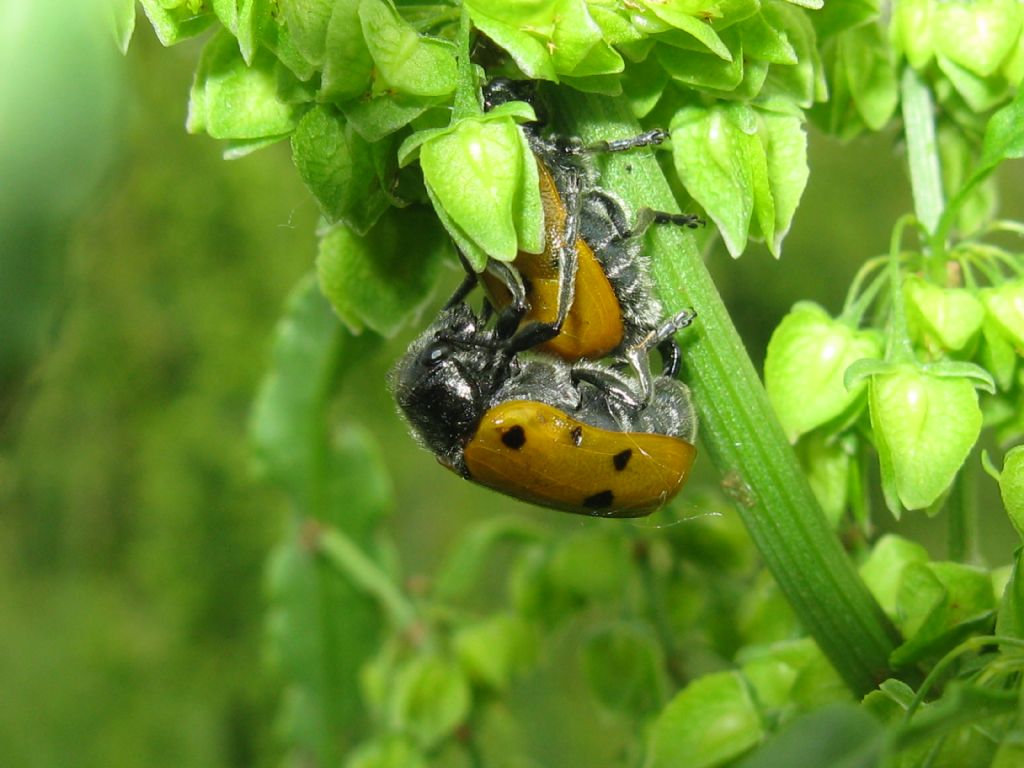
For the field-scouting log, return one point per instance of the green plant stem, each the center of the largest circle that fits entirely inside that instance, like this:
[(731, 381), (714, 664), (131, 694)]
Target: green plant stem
[(740, 431), (898, 347), (350, 560), (922, 152), (962, 509), (466, 104)]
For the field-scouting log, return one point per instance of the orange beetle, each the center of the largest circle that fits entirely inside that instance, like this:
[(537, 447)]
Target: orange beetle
[(572, 437)]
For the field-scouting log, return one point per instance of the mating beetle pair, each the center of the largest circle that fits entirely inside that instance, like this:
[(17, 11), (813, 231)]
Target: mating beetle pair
[(560, 430)]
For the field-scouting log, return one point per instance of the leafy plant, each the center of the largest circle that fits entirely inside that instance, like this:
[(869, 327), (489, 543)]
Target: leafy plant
[(876, 656)]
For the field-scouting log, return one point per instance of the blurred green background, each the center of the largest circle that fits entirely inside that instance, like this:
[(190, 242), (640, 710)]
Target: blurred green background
[(140, 278)]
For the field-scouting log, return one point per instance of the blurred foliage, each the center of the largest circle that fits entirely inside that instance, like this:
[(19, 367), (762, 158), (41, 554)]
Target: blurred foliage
[(140, 279), (132, 532)]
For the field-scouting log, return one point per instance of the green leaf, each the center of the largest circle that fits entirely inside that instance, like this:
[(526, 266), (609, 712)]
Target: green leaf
[(643, 84), (625, 667), (475, 174), (578, 48), (230, 100), (791, 674), (289, 422), (960, 369), (951, 317), (172, 25), (1004, 134), (388, 752), (307, 22), (1004, 140), (1011, 751), (711, 721), (937, 606), (980, 94), (496, 650), (277, 38), (838, 736), (738, 163), (321, 627), (785, 147), (383, 279), (961, 705), (245, 19), (807, 358), (431, 697), (464, 567), (532, 592), (1010, 619), (122, 22), (381, 116), (318, 632), (836, 18), (705, 70), (976, 34), (997, 355), (1005, 306), (699, 29), (1011, 487), (529, 53), (802, 83), (710, 150), (338, 166), (348, 66), (912, 31), (883, 570), (763, 41), (405, 61), (870, 73), (827, 463), (528, 208), (593, 564), (958, 155), (924, 427)]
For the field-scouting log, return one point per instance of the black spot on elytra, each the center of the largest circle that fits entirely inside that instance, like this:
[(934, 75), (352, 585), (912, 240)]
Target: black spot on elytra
[(599, 500), (621, 459), (515, 438), (576, 433)]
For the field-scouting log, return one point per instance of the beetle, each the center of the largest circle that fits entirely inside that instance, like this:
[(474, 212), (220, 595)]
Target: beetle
[(580, 438), (588, 294)]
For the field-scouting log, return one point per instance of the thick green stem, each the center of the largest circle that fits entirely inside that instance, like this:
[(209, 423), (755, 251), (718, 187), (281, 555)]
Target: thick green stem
[(739, 429), (922, 150)]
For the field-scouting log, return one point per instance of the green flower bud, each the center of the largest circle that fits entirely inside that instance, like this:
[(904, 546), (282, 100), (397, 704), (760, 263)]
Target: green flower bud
[(924, 426), (1005, 305), (807, 357), (1011, 486), (475, 175), (950, 316)]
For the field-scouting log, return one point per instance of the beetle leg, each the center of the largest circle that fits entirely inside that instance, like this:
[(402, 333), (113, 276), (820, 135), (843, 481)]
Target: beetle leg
[(602, 377), (468, 284), (559, 146), (645, 217), (647, 139), (510, 316), (668, 347), (661, 338)]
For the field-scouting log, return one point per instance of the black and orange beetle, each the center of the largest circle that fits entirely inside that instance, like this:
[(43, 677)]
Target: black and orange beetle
[(580, 438), (589, 294)]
